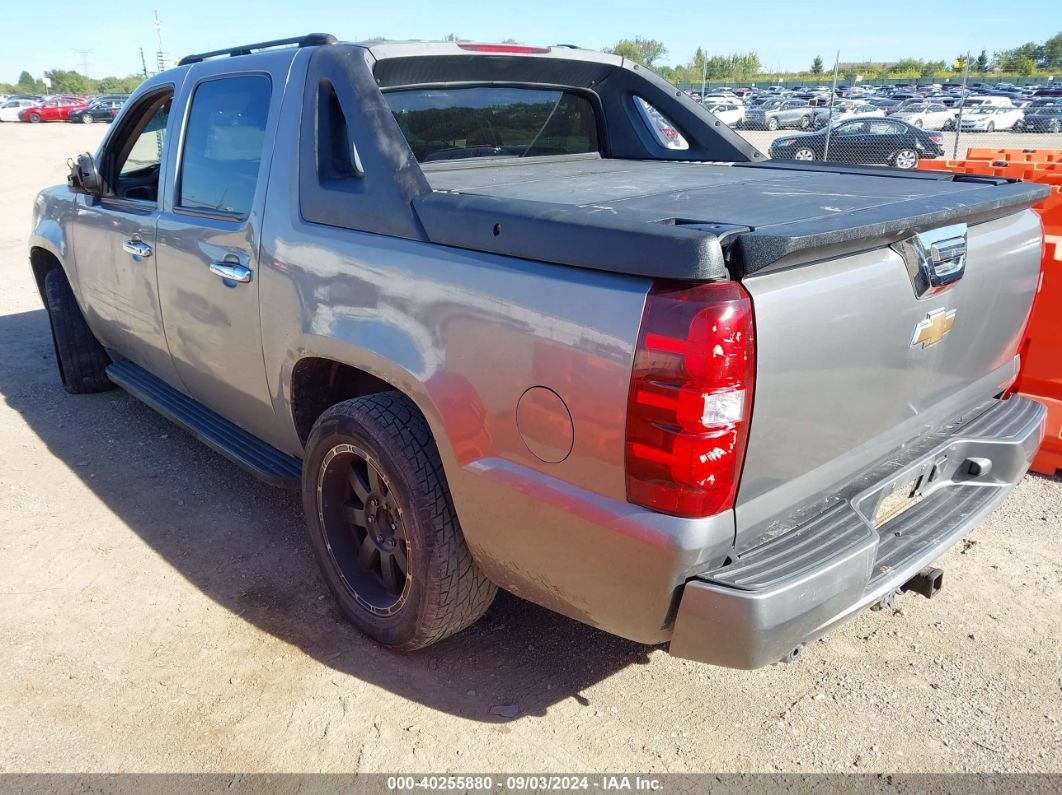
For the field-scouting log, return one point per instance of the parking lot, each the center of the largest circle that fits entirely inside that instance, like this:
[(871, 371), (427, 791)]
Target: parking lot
[(162, 612), (762, 139)]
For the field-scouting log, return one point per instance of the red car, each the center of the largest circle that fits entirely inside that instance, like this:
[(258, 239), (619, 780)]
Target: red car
[(54, 109)]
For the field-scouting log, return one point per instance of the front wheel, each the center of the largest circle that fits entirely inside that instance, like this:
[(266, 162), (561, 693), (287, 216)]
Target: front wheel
[(805, 122), (1054, 126), (383, 527), (81, 359), (905, 159), (991, 127), (918, 123), (804, 153), (772, 124), (86, 118)]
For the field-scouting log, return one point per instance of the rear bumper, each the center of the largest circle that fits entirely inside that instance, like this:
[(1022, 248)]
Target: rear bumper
[(796, 587)]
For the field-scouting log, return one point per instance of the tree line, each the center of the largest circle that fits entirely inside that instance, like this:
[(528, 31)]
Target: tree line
[(1028, 59), (70, 82)]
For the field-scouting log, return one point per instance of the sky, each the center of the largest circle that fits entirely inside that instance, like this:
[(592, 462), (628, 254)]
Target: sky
[(787, 34)]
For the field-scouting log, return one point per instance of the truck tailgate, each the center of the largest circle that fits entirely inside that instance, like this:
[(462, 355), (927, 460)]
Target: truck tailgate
[(852, 367)]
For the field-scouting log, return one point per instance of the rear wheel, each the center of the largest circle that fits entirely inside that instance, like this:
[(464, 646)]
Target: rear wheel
[(772, 123), (1054, 126), (991, 127), (81, 359), (804, 153), (805, 122), (918, 123), (905, 159), (383, 527), (34, 118)]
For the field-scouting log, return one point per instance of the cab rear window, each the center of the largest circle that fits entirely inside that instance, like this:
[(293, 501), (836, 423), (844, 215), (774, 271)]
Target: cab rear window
[(493, 121)]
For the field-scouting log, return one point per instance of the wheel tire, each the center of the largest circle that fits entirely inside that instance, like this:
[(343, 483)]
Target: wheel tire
[(86, 118), (81, 359), (905, 159), (918, 123), (991, 127), (772, 124), (948, 125), (804, 153), (1054, 126), (805, 122), (34, 118), (442, 589)]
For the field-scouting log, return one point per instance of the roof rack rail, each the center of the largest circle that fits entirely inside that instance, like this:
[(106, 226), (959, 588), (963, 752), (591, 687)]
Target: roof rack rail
[(309, 40)]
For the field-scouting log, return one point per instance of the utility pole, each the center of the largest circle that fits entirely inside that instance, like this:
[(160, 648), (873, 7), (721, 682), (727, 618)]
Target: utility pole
[(962, 104), (84, 60), (704, 71), (143, 63), (160, 53), (829, 113)]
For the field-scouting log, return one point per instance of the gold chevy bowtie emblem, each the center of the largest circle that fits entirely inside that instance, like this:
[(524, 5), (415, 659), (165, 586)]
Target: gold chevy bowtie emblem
[(932, 330)]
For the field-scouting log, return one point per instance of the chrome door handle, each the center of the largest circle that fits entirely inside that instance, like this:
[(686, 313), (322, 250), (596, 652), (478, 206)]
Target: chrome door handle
[(138, 248), (232, 272)]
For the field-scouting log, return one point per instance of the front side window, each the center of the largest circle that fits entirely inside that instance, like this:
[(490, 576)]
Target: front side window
[(493, 121), (133, 161), (223, 145)]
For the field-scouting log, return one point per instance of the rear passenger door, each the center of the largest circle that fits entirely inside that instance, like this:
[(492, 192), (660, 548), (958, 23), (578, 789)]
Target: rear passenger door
[(208, 238)]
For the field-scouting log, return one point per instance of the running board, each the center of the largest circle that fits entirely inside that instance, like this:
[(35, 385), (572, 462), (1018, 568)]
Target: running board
[(245, 449)]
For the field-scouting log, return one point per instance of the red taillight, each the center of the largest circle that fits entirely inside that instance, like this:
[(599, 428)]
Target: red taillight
[(520, 49), (690, 399)]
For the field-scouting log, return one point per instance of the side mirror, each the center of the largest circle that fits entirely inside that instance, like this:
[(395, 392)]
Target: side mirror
[(84, 176)]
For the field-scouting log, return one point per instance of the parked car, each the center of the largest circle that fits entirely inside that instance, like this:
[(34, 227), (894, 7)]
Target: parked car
[(778, 113), (506, 369), (928, 116), (729, 113), (10, 110), (886, 141), (56, 109), (1042, 119), (844, 110), (987, 101), (987, 118), (103, 109)]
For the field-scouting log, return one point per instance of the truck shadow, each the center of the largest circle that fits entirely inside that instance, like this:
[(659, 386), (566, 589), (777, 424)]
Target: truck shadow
[(242, 544)]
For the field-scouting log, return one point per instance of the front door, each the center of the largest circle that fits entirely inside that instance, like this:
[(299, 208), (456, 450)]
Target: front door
[(208, 239), (116, 241)]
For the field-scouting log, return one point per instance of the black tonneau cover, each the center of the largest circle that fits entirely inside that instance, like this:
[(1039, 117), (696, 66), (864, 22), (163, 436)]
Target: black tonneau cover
[(698, 221)]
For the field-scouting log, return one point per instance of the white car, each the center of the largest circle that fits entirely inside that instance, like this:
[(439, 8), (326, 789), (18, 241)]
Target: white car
[(843, 111), (9, 110), (989, 119), (928, 116), (729, 113)]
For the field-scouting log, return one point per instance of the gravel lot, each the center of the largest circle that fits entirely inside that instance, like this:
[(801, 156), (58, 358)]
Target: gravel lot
[(160, 611)]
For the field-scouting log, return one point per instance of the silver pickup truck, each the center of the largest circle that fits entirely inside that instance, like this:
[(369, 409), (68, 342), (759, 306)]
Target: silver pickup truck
[(530, 318)]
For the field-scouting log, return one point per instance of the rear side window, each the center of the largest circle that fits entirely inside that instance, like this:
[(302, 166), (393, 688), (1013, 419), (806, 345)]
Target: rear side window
[(223, 145), (493, 121), (661, 126)]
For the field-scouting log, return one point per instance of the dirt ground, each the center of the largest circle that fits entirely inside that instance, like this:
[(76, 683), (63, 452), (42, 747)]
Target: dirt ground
[(160, 611)]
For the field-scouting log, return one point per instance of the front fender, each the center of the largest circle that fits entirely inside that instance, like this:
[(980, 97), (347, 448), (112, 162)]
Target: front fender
[(53, 209)]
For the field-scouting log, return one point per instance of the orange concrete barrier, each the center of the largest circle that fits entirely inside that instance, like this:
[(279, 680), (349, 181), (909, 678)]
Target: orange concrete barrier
[(1015, 155), (1041, 349)]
